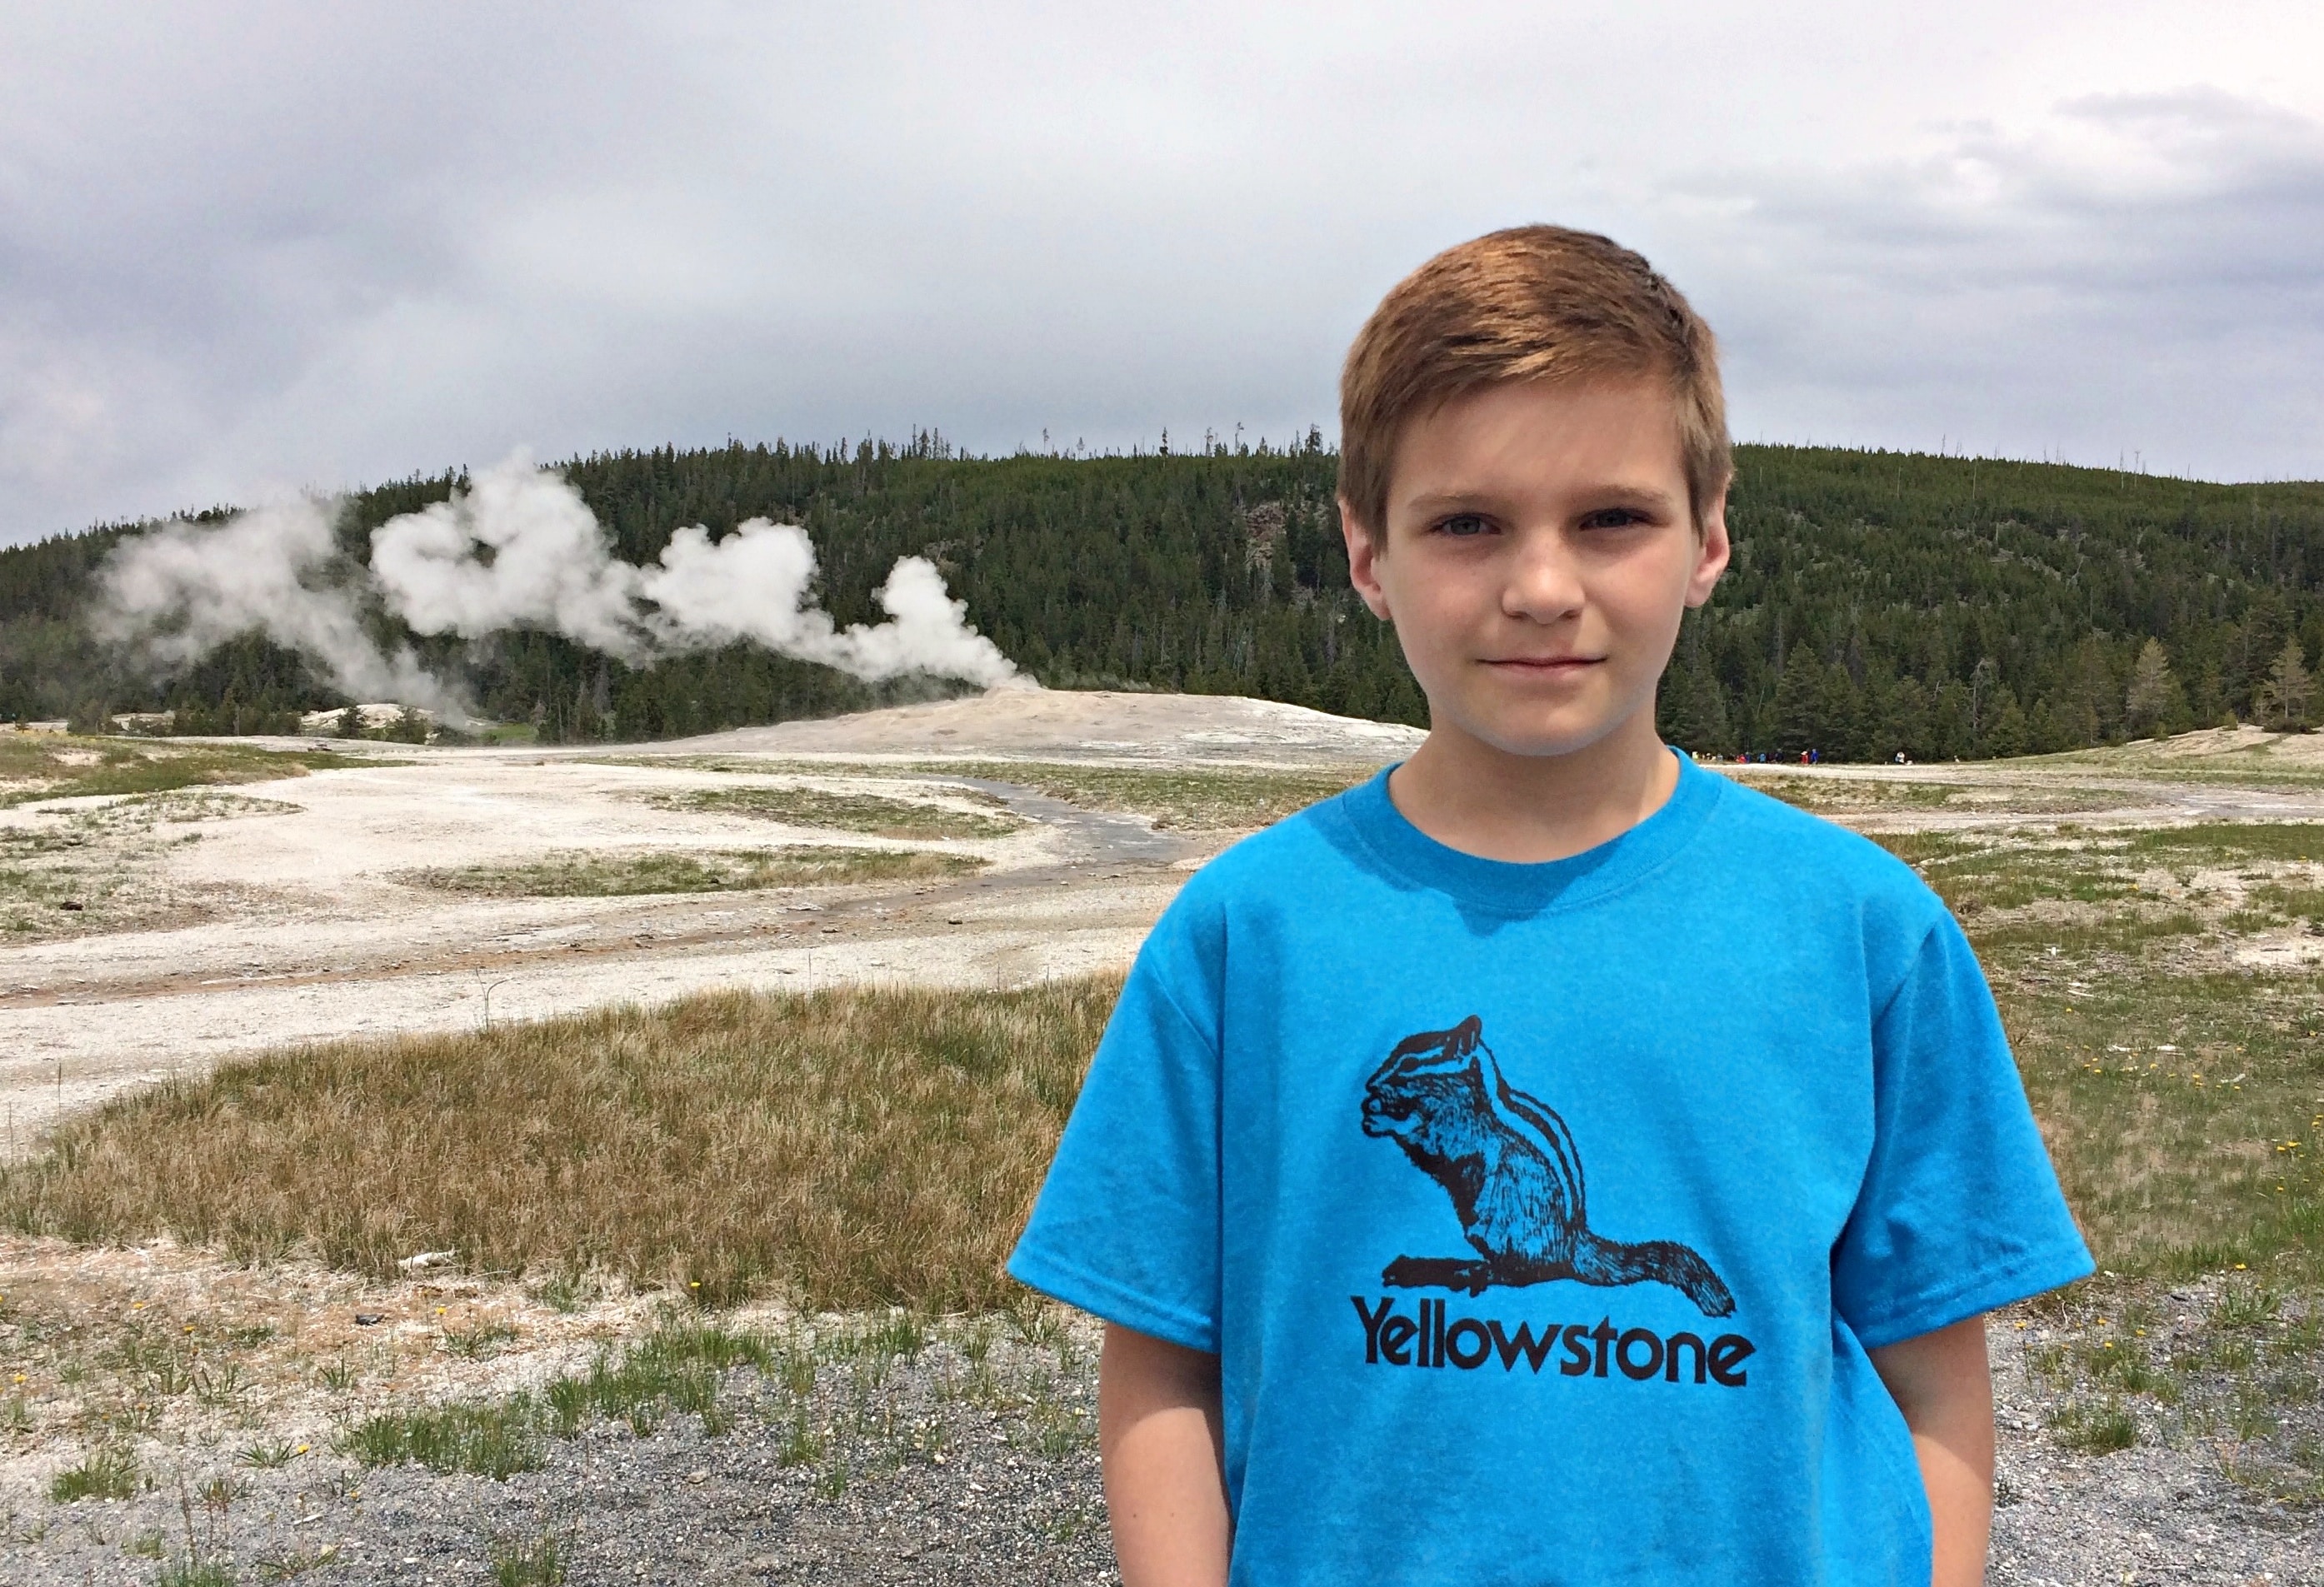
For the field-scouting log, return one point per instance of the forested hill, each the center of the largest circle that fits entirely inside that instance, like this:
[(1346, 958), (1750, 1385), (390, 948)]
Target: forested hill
[(1878, 603)]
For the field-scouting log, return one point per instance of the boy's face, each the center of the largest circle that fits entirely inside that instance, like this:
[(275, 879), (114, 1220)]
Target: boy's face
[(1537, 556)]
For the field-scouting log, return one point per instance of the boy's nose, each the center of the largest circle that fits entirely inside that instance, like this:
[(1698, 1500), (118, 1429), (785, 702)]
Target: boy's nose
[(1543, 584)]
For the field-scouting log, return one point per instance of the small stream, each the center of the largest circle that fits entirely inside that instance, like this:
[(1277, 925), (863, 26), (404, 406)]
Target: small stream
[(1095, 834)]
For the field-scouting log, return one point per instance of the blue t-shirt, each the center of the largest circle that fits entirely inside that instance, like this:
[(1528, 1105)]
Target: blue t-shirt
[(1542, 1215)]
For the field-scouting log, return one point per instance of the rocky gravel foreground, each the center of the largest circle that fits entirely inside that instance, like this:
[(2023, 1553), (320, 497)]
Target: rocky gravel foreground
[(938, 1468), (2158, 1512)]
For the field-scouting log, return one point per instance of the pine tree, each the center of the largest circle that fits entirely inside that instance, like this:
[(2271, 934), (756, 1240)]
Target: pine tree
[(1903, 725), (1693, 711), (2007, 730), (2285, 698), (2154, 705), (1799, 702)]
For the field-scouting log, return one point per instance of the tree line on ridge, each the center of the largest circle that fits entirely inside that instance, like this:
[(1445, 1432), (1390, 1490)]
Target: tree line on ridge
[(1879, 603)]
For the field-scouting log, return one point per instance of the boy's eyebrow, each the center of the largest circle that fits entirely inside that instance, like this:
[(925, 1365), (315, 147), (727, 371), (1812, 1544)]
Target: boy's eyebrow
[(1613, 492)]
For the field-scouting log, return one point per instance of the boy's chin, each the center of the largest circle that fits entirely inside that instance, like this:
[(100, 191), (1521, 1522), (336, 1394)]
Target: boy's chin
[(1532, 740)]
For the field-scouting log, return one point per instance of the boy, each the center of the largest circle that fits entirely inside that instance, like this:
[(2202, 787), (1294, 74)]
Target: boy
[(1369, 1319)]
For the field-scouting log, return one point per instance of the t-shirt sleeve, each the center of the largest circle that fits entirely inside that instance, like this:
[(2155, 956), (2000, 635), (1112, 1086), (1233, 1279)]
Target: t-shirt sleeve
[(1126, 1223), (1960, 1211)]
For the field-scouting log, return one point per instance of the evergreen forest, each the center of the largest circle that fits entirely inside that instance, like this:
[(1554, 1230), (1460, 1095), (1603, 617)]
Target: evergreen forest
[(1879, 603)]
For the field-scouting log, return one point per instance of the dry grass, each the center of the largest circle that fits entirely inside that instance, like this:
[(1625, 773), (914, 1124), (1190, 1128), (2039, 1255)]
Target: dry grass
[(585, 874), (850, 1149), (874, 813)]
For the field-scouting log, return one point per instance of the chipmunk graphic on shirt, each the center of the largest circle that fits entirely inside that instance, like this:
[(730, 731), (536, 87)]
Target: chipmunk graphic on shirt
[(1514, 1174)]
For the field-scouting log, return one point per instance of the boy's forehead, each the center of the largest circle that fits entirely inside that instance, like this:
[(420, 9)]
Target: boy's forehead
[(1618, 433)]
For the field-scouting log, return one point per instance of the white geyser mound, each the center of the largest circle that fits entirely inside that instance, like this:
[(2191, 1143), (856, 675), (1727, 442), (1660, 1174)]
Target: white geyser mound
[(518, 549)]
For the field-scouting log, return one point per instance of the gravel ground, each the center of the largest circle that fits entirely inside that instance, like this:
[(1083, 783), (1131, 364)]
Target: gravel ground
[(2163, 1510), (965, 1464), (972, 1462)]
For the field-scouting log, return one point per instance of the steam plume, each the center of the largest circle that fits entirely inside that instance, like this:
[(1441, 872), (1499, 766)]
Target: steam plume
[(520, 549), (185, 589)]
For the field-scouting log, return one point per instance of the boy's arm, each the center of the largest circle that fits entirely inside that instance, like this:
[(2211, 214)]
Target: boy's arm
[(1940, 1382), (1160, 1430)]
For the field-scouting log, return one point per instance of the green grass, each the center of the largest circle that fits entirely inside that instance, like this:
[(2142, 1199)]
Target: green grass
[(872, 813), (537, 1563), (2105, 1427), (72, 871), (196, 1573), (1227, 798), (2183, 1113), (2230, 842), (492, 1440), (585, 874), (106, 1474), (679, 1370), (1222, 799), (1837, 794), (270, 1454), (48, 765), (481, 1342)]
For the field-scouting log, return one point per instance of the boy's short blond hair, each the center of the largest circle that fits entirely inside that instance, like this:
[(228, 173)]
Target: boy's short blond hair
[(1531, 303)]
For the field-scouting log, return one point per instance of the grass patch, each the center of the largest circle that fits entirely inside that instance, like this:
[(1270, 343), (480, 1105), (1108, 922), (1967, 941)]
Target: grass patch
[(539, 1562), (50, 765), (1209, 799), (858, 1147), (71, 871), (873, 813), (1217, 799), (108, 1473), (585, 874), (2231, 842), (2105, 1427), (1829, 794), (2183, 1113), (493, 1440), (836, 1421), (676, 1369)]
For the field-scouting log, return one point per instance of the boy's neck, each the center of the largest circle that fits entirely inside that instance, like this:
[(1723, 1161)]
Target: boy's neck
[(1484, 800)]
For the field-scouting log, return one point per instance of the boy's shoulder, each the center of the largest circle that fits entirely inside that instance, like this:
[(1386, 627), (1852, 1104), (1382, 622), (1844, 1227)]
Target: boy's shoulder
[(1293, 853), (1757, 823), (1822, 879)]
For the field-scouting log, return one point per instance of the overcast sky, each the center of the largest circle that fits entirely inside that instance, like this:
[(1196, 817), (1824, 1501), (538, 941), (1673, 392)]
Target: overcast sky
[(255, 247)]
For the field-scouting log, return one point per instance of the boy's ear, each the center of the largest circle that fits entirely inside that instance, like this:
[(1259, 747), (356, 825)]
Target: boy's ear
[(1363, 553), (1711, 551)]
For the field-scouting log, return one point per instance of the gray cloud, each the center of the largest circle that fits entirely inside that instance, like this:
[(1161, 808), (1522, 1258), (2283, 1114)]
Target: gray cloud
[(2142, 274), (246, 249)]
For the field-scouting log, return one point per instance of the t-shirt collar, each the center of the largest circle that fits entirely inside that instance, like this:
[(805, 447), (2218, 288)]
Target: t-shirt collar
[(1511, 887)]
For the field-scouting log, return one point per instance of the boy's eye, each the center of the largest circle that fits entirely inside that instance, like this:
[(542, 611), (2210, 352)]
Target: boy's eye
[(1613, 517), (1462, 524)]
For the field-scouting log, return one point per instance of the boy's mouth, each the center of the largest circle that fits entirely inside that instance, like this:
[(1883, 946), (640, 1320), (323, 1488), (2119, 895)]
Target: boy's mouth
[(1545, 665)]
